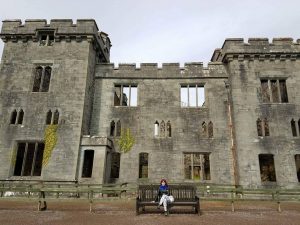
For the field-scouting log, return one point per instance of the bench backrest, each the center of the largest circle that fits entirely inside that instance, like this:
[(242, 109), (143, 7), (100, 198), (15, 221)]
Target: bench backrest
[(179, 192)]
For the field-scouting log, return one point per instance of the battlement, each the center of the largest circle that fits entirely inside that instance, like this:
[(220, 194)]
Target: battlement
[(62, 26), (166, 71), (64, 29), (258, 46)]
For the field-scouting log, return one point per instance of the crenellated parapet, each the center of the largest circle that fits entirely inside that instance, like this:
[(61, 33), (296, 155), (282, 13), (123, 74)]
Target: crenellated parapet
[(63, 30), (166, 71), (258, 49)]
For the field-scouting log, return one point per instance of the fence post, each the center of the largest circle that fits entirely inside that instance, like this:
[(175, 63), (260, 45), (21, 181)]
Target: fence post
[(278, 201), (232, 201)]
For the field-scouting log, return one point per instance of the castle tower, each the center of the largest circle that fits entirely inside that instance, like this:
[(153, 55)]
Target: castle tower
[(46, 89)]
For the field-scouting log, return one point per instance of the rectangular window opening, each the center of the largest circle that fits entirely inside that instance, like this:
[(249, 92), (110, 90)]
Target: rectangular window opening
[(29, 159), (196, 166), (192, 96), (267, 168), (125, 95), (88, 161)]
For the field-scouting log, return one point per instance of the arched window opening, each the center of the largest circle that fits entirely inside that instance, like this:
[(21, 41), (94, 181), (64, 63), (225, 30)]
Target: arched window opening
[(293, 126), (20, 117), (169, 129), (37, 79), (210, 129), (162, 129), (266, 127), (297, 161), (13, 117), (156, 128), (46, 80), (118, 132), (143, 165), (56, 117), (112, 128), (204, 130), (49, 117), (259, 127)]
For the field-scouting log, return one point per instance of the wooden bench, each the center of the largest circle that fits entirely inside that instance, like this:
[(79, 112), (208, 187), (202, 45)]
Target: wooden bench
[(184, 195)]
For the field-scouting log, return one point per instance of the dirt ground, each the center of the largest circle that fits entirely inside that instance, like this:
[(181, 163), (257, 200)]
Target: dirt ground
[(119, 212)]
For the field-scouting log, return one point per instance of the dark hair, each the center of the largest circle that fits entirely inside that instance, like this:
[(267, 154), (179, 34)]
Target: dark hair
[(164, 180)]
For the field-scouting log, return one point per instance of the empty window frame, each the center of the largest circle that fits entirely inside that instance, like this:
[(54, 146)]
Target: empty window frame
[(115, 165), (267, 168), (52, 118), (143, 165), (192, 95), (297, 161), (274, 90), (16, 117), (29, 159), (42, 77), (262, 127), (197, 166), (46, 38), (125, 95), (207, 131), (156, 129), (88, 161), (169, 129), (293, 127)]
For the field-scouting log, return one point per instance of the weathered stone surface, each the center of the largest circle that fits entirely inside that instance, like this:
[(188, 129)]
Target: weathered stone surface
[(82, 89)]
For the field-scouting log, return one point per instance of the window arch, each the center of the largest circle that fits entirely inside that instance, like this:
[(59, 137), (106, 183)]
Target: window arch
[(37, 79), (293, 126), (46, 80), (259, 127), (20, 117), (169, 129), (42, 76), (118, 131), (112, 128), (204, 129), (162, 129), (210, 129), (266, 127), (13, 117), (49, 117), (56, 117), (156, 128), (143, 165)]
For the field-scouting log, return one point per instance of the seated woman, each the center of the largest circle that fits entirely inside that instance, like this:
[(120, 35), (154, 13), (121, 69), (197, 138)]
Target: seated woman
[(163, 196)]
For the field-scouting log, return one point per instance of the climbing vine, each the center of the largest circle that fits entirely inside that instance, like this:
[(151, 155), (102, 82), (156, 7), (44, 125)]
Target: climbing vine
[(50, 142), (13, 157), (126, 140)]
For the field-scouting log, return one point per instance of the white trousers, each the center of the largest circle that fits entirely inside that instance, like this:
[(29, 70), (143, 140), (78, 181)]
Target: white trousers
[(165, 199)]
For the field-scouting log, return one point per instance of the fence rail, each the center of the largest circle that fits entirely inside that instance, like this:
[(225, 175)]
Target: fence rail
[(41, 192)]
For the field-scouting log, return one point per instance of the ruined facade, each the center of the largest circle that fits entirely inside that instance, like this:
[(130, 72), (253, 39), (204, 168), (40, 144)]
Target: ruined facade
[(64, 109)]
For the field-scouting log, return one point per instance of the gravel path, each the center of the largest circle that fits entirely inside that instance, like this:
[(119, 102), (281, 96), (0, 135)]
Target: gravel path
[(123, 212)]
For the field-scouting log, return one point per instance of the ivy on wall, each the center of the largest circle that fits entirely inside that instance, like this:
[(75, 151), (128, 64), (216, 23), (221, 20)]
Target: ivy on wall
[(13, 157), (126, 140), (50, 142)]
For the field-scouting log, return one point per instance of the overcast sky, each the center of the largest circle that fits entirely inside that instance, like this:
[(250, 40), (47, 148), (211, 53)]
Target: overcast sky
[(167, 30)]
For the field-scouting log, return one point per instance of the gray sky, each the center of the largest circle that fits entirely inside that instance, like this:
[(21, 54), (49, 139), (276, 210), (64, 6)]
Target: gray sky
[(167, 30)]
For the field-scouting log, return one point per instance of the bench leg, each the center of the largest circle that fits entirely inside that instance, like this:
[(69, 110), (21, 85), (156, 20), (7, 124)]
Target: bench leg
[(91, 206), (279, 207)]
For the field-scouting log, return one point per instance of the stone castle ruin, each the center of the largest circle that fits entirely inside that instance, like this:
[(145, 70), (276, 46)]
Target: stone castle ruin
[(67, 114)]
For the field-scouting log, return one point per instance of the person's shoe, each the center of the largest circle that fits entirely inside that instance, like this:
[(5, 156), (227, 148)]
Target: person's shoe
[(166, 213)]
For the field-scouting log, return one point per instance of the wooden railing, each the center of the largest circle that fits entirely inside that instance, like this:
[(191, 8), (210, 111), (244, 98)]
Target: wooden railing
[(233, 194), (42, 192)]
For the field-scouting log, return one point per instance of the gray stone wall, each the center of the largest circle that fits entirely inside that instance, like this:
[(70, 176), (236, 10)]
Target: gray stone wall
[(159, 99), (72, 62), (247, 64)]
